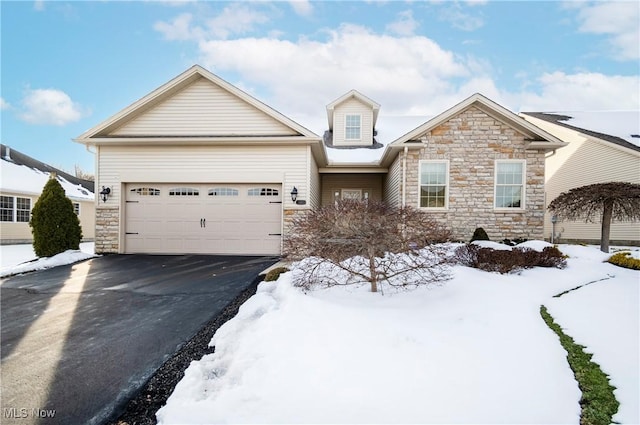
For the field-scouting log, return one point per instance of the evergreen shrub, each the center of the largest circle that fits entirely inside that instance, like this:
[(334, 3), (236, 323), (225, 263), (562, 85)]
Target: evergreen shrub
[(54, 223)]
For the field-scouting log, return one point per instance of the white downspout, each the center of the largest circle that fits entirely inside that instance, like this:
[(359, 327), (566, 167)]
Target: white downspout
[(404, 177)]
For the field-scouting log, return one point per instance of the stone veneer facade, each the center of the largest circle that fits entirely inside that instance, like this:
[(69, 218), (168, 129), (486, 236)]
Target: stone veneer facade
[(472, 141), (107, 230)]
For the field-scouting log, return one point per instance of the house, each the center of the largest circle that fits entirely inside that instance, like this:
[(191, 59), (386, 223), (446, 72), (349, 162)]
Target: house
[(199, 166), (23, 179), (602, 147)]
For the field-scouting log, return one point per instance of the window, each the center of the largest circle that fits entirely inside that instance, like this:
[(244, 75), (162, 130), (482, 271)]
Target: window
[(434, 179), (146, 191), (263, 191), (15, 209), (6, 208), (509, 184), (76, 208), (352, 127), (223, 191), (23, 210), (184, 191)]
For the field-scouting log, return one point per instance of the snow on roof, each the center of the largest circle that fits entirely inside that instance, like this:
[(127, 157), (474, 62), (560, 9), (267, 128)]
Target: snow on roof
[(389, 128), (27, 180), (621, 124)]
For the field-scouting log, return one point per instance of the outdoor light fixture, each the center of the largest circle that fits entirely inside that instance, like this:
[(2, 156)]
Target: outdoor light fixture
[(105, 192), (294, 194)]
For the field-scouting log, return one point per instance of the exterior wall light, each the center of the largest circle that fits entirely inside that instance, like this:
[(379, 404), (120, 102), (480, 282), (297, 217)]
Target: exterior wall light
[(294, 194), (104, 193)]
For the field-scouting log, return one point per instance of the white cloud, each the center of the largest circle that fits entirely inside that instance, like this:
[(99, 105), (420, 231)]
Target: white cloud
[(582, 92), (459, 18), (617, 19), (404, 24), (4, 104), (406, 75), (302, 7), (38, 5), (234, 19), (179, 29), (50, 106)]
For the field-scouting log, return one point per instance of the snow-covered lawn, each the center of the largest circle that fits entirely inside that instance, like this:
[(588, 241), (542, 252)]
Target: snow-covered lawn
[(21, 258), (473, 350)]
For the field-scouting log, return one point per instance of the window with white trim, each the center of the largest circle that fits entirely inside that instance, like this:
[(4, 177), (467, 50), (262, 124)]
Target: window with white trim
[(76, 208), (352, 127), (510, 179), (434, 184), (15, 209)]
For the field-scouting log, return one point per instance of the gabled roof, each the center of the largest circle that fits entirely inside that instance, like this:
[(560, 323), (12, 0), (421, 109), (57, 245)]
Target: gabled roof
[(590, 128), (538, 138), (169, 89), (24, 174), (352, 94)]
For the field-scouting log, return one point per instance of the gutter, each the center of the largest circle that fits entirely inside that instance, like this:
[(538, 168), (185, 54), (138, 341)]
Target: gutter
[(404, 177)]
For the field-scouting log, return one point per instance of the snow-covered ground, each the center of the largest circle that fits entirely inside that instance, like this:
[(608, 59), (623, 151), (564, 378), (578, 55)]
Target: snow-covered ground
[(473, 350), (16, 259)]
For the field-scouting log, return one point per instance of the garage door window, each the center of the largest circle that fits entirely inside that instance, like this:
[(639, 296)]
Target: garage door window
[(223, 191), (146, 191), (263, 191), (184, 191)]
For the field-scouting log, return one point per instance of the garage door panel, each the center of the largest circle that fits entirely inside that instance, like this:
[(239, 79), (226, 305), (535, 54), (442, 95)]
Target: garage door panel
[(234, 222)]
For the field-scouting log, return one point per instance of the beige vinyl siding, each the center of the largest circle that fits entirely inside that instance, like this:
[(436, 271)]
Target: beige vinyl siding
[(587, 161), (87, 219), (203, 164), (20, 232), (203, 108), (314, 178), (336, 182), (349, 107), (393, 183)]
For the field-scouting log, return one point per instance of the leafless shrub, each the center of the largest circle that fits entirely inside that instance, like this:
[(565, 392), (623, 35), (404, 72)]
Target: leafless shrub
[(357, 241), (506, 261)]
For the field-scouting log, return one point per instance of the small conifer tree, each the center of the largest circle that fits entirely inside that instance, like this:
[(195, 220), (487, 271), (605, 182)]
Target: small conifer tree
[(479, 235), (54, 224)]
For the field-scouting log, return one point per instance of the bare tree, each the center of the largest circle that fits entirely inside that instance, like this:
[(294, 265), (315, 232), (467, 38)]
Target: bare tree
[(615, 200), (366, 241), (81, 174)]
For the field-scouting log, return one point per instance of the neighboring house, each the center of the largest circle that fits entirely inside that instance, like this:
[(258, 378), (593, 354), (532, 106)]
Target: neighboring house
[(23, 179), (199, 166), (603, 147)]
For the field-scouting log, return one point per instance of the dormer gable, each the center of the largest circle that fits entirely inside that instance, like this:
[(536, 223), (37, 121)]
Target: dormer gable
[(352, 119)]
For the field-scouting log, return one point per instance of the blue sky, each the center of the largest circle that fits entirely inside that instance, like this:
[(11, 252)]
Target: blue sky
[(67, 66)]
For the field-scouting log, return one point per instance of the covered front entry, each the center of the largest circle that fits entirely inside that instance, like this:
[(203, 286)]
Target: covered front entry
[(200, 218)]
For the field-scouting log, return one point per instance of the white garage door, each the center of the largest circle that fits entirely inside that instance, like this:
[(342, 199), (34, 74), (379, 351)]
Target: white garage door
[(203, 218)]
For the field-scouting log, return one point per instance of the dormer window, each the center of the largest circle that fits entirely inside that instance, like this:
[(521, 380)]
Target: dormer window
[(352, 127)]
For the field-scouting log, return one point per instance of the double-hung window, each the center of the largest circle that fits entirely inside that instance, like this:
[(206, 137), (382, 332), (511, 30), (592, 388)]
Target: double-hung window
[(15, 209), (510, 180), (434, 184), (352, 127)]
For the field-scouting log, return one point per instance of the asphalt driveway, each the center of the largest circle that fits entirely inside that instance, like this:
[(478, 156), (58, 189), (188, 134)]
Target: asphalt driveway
[(78, 341)]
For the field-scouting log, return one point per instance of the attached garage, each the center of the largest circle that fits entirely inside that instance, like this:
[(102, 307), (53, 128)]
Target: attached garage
[(203, 218), (199, 166)]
